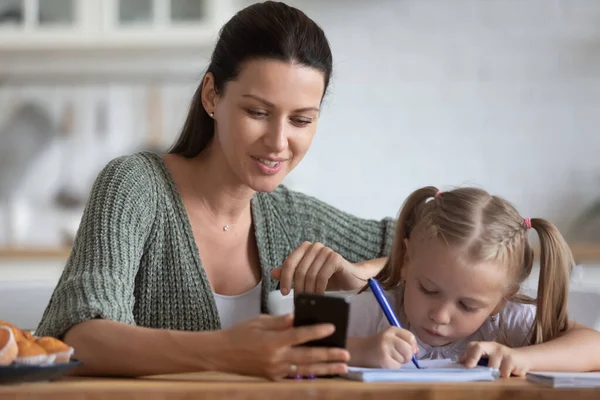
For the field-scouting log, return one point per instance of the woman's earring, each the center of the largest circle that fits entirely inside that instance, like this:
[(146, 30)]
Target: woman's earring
[(212, 114), (493, 318)]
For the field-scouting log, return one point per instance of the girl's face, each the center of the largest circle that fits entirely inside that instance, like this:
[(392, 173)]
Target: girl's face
[(447, 298), (265, 120)]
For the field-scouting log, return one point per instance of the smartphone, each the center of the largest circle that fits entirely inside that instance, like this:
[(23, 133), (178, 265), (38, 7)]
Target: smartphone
[(311, 309)]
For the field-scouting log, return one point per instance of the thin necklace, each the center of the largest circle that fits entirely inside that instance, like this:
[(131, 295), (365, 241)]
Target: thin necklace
[(226, 227)]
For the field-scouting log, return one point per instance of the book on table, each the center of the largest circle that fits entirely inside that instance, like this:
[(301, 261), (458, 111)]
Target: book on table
[(443, 370)]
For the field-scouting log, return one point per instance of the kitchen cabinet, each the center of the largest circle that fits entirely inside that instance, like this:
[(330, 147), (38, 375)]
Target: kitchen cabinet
[(55, 25)]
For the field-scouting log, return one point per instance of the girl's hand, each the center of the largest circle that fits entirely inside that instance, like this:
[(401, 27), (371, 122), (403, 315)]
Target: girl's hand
[(314, 268), (388, 349), (267, 346), (508, 361)]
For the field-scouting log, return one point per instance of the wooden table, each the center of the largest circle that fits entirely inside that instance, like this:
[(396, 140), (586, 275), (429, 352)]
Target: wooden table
[(223, 386)]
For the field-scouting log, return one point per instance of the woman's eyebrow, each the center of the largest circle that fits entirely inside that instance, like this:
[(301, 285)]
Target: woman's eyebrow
[(269, 104)]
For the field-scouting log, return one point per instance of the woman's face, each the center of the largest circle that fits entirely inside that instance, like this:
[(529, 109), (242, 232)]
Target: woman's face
[(265, 119)]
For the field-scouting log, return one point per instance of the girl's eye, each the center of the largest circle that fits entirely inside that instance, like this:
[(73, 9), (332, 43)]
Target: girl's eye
[(467, 308), (429, 292)]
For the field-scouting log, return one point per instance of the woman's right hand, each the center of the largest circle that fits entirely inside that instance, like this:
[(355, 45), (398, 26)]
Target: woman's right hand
[(268, 346), (390, 348)]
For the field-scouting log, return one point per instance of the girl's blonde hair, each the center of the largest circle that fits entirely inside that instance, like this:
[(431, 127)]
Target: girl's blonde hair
[(489, 228)]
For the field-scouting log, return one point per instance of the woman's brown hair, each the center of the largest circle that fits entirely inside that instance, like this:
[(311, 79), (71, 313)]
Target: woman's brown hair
[(489, 228)]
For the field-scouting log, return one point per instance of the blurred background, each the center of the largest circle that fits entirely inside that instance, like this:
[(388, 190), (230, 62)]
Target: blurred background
[(501, 94)]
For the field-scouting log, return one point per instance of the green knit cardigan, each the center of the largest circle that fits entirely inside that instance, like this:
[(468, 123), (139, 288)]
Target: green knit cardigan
[(134, 259)]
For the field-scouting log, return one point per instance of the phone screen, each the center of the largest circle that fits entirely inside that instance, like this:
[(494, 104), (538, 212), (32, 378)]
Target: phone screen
[(311, 309)]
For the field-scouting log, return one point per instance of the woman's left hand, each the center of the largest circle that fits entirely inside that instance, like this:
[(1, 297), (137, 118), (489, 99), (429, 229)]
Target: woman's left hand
[(314, 268), (508, 361)]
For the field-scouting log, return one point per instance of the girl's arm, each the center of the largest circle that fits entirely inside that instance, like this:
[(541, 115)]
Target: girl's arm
[(577, 349), (390, 348)]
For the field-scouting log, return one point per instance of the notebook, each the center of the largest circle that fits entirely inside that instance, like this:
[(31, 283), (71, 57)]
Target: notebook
[(565, 379), (444, 370)]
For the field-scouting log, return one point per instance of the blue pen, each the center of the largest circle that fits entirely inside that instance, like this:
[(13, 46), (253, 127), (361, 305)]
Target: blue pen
[(387, 310)]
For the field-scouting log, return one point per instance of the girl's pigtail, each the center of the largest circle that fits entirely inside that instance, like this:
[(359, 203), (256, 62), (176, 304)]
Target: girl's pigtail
[(556, 263)]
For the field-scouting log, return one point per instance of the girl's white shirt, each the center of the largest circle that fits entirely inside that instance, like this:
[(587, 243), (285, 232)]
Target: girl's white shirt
[(367, 319)]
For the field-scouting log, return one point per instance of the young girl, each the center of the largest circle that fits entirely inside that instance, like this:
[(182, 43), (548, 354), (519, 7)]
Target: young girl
[(454, 276)]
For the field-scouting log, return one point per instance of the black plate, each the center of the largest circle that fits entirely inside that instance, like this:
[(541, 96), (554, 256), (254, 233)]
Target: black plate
[(16, 373)]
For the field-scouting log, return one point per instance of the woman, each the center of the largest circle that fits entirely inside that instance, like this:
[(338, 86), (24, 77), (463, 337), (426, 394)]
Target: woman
[(175, 255)]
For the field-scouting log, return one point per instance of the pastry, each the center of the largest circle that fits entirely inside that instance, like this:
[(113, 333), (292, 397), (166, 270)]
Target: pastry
[(21, 347), (31, 353), (27, 335), (57, 348), (18, 334), (8, 346)]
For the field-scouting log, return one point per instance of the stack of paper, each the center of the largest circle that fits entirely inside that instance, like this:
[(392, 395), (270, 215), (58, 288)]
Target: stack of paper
[(434, 371), (565, 379)]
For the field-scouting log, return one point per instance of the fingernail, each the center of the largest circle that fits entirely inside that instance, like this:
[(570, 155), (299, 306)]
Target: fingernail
[(284, 291)]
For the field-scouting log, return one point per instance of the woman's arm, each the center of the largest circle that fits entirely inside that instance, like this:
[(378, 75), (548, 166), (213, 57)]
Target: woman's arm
[(330, 244), (264, 346), (356, 239), (114, 349), (99, 278)]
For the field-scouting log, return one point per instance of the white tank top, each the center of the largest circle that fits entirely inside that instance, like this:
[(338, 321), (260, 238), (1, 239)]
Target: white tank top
[(238, 308)]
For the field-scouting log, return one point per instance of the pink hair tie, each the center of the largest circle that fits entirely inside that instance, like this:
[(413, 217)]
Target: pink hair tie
[(437, 194), (527, 223)]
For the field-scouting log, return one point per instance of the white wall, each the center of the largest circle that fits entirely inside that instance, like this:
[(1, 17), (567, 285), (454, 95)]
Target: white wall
[(499, 93), (503, 94)]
